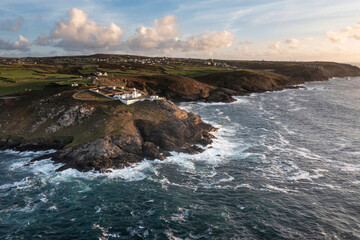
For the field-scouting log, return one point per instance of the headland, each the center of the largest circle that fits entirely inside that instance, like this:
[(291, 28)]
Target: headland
[(111, 111)]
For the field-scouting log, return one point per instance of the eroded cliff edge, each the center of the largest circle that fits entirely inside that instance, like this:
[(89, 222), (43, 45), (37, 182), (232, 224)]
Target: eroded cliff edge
[(100, 133)]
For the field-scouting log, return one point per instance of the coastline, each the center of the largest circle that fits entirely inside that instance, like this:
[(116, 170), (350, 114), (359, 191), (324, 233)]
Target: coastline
[(148, 130)]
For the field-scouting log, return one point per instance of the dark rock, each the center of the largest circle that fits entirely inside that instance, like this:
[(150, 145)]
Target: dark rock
[(220, 96), (151, 151)]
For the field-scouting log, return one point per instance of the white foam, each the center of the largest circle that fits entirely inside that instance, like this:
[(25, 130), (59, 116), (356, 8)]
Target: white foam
[(245, 185), (52, 208), (296, 109), (278, 189), (17, 185), (299, 175), (181, 216), (353, 153), (46, 169), (229, 179), (347, 167), (28, 153)]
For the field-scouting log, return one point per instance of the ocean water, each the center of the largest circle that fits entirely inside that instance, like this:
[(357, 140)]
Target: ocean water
[(285, 165)]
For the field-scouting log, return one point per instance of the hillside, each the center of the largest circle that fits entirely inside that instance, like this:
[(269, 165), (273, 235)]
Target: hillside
[(40, 110), (99, 133)]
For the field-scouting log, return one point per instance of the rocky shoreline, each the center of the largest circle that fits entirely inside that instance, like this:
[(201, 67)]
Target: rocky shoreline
[(102, 134), (143, 136)]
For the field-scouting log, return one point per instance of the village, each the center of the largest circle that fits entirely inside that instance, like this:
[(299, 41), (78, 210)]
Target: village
[(126, 59)]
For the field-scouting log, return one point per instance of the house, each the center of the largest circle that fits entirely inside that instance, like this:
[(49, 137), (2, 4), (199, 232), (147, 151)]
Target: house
[(126, 97)]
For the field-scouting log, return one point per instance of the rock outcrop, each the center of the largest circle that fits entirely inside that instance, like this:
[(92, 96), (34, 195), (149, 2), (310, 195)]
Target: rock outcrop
[(101, 135)]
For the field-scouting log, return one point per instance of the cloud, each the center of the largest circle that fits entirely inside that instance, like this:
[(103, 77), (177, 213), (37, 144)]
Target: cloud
[(288, 46), (79, 33), (308, 38), (275, 46), (245, 42), (21, 44), (42, 40), (243, 50), (293, 43), (342, 35), (335, 37), (206, 41), (164, 36), (164, 30), (12, 25)]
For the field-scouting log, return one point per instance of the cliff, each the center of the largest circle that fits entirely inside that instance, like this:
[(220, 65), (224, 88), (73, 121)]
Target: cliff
[(221, 85), (101, 133), (94, 132)]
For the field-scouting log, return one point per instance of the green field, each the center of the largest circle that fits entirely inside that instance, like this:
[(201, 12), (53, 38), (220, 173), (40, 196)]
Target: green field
[(19, 77)]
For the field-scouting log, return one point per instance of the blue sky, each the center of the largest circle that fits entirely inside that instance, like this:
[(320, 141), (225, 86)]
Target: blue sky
[(253, 29)]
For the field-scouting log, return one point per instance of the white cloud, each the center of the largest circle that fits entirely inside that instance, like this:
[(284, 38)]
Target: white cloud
[(243, 50), (290, 45), (207, 41), (42, 40), (293, 43), (335, 37), (245, 42), (342, 35), (79, 33), (165, 37), (20, 44), (164, 30), (12, 25), (275, 46)]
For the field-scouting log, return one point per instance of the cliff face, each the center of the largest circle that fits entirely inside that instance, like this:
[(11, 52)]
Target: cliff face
[(221, 85), (276, 76), (100, 134)]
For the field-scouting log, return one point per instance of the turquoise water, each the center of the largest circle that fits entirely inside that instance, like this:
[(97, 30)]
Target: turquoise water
[(285, 165)]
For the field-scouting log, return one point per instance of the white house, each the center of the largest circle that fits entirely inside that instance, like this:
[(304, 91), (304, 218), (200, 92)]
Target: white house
[(133, 95)]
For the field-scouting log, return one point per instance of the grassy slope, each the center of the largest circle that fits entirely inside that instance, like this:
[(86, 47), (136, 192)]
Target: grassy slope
[(109, 117), (114, 118), (249, 75), (18, 77)]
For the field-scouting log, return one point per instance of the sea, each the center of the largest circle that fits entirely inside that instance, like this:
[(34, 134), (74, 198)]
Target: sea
[(284, 165)]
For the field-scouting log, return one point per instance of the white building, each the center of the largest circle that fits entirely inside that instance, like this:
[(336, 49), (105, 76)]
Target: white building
[(133, 95), (129, 98)]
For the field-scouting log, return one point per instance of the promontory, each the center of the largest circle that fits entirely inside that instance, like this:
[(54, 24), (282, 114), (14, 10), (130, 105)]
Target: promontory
[(105, 112)]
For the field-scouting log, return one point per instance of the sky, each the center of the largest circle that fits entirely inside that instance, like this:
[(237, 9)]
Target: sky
[(289, 30)]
